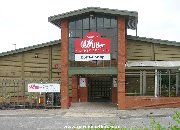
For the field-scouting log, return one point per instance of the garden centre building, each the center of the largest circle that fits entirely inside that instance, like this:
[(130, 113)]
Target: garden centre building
[(95, 61)]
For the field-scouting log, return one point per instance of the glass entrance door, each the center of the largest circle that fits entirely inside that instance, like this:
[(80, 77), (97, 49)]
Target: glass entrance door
[(99, 89)]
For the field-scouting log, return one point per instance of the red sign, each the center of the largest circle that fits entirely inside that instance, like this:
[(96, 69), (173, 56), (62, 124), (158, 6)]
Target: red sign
[(92, 43)]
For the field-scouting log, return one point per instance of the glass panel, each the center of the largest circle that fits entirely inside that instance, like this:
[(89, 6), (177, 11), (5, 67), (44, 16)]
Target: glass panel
[(100, 22), (108, 32), (72, 33), (172, 85), (71, 49), (86, 23), (93, 30), (101, 31), (150, 80), (107, 28), (113, 22), (113, 32), (107, 22), (132, 84), (78, 33), (167, 83), (72, 25), (164, 83), (85, 32), (92, 22), (178, 84), (142, 82), (114, 48), (79, 24)]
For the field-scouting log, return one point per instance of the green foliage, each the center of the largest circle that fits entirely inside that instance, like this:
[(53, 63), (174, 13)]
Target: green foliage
[(176, 118), (155, 125)]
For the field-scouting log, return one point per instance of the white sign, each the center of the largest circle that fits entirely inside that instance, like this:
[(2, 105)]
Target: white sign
[(89, 57), (82, 82), (114, 82), (51, 87)]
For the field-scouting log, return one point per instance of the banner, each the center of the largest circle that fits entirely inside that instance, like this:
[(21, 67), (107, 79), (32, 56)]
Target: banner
[(51, 87)]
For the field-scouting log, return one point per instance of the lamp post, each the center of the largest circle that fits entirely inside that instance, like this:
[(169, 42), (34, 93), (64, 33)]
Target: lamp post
[(14, 46)]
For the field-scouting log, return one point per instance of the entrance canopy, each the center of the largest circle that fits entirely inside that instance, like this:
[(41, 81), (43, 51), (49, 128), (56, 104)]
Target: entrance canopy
[(155, 64)]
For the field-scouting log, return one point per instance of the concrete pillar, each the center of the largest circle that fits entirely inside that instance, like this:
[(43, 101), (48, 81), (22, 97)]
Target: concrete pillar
[(121, 62), (64, 64)]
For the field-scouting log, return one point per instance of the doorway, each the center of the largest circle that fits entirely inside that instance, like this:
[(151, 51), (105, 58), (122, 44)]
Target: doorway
[(99, 89)]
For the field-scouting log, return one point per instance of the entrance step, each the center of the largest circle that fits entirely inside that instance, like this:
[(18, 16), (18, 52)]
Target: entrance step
[(94, 107)]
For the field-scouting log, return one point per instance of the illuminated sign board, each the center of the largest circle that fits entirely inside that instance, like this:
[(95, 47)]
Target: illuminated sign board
[(92, 47)]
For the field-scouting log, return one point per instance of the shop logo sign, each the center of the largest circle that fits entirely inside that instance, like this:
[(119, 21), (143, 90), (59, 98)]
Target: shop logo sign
[(92, 47)]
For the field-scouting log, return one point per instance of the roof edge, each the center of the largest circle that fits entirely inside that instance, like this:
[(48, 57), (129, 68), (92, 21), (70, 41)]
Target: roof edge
[(152, 40), (95, 9), (56, 19), (30, 48)]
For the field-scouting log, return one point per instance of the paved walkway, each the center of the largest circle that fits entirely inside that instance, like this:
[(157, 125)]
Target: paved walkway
[(82, 114), (109, 109), (93, 110)]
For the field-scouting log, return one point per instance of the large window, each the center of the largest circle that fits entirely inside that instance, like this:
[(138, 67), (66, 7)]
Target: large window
[(142, 83), (168, 83), (105, 25)]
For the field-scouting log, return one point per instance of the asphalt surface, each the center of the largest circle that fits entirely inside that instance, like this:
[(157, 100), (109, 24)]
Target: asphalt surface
[(83, 116)]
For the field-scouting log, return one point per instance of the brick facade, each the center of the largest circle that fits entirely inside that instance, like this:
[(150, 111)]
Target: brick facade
[(83, 93), (118, 94), (75, 97), (121, 63), (114, 95), (136, 102), (64, 65)]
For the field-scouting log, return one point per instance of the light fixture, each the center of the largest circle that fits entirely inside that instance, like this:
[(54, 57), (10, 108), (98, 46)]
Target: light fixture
[(92, 16), (36, 55)]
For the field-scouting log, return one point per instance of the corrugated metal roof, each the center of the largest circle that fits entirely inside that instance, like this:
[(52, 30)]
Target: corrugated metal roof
[(152, 40), (30, 48), (131, 16), (153, 64)]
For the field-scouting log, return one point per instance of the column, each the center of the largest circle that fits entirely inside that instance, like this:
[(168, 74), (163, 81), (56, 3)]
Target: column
[(121, 63), (64, 64), (75, 88)]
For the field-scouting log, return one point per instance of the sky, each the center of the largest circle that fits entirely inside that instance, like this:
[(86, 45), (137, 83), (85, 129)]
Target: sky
[(25, 22)]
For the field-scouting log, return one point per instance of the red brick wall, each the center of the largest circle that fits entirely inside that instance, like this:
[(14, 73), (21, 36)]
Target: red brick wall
[(114, 95), (75, 89), (121, 62), (83, 93), (64, 65), (133, 102)]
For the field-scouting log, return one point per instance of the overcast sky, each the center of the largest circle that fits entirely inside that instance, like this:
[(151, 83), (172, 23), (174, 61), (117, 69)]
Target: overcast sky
[(25, 22)]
